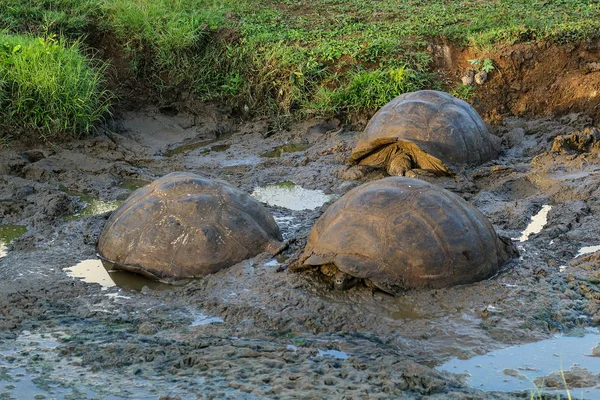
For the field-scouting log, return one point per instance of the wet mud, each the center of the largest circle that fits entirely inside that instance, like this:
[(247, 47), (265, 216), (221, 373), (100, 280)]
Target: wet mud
[(257, 330)]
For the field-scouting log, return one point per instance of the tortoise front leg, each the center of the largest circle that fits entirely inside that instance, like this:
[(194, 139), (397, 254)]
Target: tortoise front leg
[(399, 164)]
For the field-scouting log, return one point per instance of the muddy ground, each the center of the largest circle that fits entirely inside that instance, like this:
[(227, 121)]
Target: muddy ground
[(61, 337)]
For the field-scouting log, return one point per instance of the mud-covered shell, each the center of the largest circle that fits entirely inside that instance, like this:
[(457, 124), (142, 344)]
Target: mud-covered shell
[(441, 125), (186, 226), (402, 233)]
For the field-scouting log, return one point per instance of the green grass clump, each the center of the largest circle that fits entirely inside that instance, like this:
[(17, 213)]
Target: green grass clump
[(49, 86), (67, 17)]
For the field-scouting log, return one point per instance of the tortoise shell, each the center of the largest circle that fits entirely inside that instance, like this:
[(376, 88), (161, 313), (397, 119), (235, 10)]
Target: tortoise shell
[(445, 129), (402, 233), (186, 226)]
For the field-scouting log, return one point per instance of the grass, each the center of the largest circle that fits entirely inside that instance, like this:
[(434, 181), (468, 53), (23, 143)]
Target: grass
[(286, 57), (49, 86)]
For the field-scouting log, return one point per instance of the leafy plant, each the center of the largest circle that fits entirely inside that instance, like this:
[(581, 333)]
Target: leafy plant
[(487, 65)]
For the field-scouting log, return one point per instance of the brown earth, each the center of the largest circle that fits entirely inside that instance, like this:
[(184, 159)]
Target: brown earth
[(529, 79)]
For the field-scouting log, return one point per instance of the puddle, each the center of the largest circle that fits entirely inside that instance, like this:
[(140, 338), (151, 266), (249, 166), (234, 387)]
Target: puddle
[(8, 233), (95, 207), (340, 355), (32, 367), (133, 184), (286, 148), (92, 206), (201, 319), (587, 250), (516, 368), (289, 195), (272, 263), (91, 271), (102, 273), (536, 224)]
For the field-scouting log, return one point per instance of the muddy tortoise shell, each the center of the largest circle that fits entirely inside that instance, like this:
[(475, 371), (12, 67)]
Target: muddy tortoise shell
[(447, 131), (403, 233), (186, 226)]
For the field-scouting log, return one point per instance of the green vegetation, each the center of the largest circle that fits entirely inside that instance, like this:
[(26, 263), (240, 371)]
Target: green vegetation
[(282, 57), (48, 86)]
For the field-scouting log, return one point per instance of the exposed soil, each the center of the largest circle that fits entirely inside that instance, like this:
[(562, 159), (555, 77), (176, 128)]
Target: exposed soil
[(83, 340), (529, 79)]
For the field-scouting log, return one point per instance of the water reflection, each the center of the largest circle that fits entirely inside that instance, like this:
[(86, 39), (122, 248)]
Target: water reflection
[(103, 273), (536, 224), (516, 368), (8, 233), (289, 195)]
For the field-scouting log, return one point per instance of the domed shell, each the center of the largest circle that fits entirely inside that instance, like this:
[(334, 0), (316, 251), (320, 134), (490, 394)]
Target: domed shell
[(402, 233), (441, 125), (186, 226)]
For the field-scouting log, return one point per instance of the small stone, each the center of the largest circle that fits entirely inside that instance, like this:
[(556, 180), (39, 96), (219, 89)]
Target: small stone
[(467, 79), (481, 77)]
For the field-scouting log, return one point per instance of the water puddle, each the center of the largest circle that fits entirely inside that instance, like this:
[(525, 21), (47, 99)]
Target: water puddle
[(516, 368), (133, 184), (8, 233), (286, 148), (340, 355), (289, 195), (103, 273), (91, 206), (32, 367), (587, 250), (272, 263), (201, 319), (95, 207), (536, 224)]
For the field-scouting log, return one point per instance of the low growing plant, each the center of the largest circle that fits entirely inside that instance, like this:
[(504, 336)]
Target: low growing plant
[(49, 86)]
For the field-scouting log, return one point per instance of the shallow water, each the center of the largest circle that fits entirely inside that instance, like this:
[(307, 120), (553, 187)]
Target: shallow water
[(8, 233), (289, 195), (515, 368), (102, 273), (202, 319), (286, 148), (340, 355), (587, 250), (537, 223), (96, 206)]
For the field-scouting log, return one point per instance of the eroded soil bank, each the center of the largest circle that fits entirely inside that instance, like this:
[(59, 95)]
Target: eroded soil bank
[(282, 334)]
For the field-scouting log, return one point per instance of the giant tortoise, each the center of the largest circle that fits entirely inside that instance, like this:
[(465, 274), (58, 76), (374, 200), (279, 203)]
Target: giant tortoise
[(401, 233), (427, 130), (186, 226)]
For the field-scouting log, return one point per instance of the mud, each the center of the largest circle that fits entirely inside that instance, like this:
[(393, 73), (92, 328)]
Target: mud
[(270, 333)]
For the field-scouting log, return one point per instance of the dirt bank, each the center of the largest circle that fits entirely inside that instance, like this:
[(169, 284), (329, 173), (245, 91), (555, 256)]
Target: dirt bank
[(282, 334), (528, 79)]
